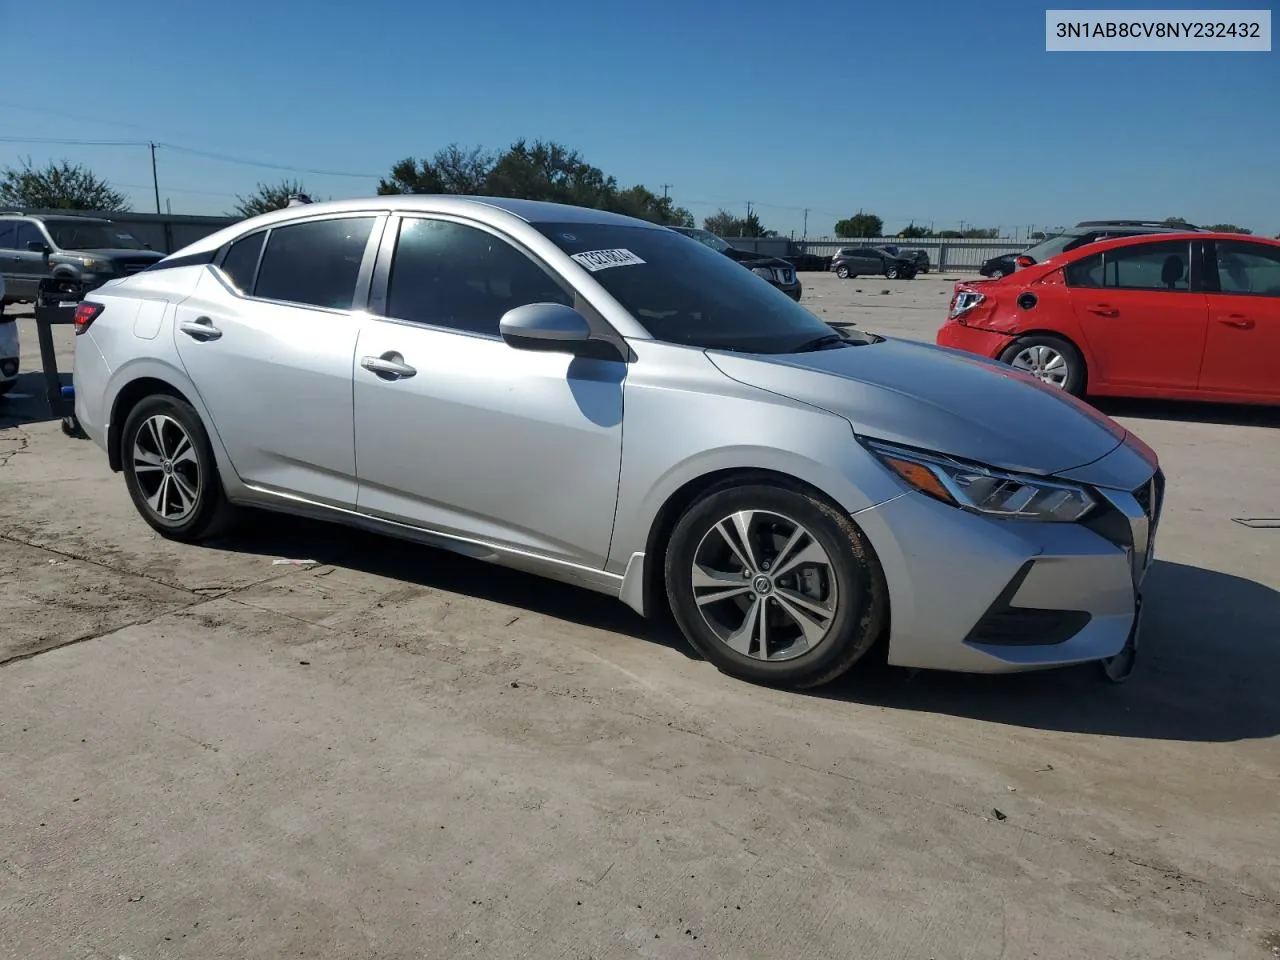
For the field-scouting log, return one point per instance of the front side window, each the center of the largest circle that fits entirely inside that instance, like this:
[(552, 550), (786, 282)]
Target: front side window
[(1163, 266), (448, 274), (28, 233), (1249, 268), (73, 235), (686, 293), (315, 263), (8, 234)]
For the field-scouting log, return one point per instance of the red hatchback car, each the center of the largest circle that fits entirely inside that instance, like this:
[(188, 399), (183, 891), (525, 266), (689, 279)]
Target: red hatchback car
[(1184, 316)]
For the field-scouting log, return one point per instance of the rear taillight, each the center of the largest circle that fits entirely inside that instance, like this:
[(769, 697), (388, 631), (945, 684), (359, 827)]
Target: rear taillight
[(964, 301), (86, 313)]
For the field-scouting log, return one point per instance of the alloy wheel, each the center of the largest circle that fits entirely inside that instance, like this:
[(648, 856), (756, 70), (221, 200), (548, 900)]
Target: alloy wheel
[(1044, 363), (764, 585), (165, 465)]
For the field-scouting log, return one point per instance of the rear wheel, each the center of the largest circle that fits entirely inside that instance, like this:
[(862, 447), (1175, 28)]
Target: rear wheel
[(997, 274), (170, 471), (1049, 359), (774, 586)]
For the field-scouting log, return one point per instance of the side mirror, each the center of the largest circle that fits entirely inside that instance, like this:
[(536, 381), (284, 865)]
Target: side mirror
[(147, 245), (37, 246), (547, 327)]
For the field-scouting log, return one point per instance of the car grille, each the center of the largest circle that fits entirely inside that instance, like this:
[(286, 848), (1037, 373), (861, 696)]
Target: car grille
[(785, 276), (135, 267)]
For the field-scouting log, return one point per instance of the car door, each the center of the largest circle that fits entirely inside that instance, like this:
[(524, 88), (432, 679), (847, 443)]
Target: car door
[(1242, 350), (866, 261), (472, 437), (268, 340), (29, 266), (1143, 313), (8, 255)]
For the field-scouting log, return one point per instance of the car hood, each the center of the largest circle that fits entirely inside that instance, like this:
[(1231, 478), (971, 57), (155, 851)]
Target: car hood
[(123, 253), (938, 399), (755, 259)]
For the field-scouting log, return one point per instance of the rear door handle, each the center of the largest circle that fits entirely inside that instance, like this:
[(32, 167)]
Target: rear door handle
[(1238, 321), (389, 366), (1103, 310), (201, 328)]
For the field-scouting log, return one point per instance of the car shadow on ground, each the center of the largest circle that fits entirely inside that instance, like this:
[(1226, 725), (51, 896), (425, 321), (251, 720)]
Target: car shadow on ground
[(1209, 656), (278, 535), (1230, 414), (26, 403)]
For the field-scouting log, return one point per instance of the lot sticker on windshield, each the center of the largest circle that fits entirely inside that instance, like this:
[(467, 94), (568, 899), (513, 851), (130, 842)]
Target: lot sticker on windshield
[(595, 260)]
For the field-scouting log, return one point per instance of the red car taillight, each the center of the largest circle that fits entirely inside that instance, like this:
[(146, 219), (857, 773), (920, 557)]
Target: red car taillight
[(86, 313)]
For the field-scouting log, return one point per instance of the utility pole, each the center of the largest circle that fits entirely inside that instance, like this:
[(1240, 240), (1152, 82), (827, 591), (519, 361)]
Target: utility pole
[(665, 188), (155, 181), (805, 234)]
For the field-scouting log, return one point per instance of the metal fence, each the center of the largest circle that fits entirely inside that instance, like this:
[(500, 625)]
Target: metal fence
[(168, 232), (943, 254)]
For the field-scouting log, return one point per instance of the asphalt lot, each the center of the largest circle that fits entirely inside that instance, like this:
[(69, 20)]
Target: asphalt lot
[(395, 752)]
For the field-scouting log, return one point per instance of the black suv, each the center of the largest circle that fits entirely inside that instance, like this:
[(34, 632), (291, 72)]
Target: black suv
[(869, 261), (1086, 231), (83, 252), (776, 271)]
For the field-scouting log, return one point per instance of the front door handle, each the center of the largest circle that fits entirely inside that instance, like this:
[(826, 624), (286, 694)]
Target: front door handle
[(201, 328), (1103, 310), (1239, 321), (389, 366)]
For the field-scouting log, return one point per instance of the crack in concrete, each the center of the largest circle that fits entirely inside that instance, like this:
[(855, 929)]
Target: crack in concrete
[(24, 442)]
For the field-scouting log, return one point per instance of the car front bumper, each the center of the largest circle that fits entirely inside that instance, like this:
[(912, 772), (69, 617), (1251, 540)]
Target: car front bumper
[(9, 351), (976, 594), (792, 290)]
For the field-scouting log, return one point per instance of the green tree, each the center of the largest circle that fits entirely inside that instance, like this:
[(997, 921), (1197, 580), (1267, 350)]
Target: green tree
[(981, 233), (724, 224), (58, 186), (1228, 228), (266, 197), (860, 225), (541, 170), (913, 232), (1175, 222)]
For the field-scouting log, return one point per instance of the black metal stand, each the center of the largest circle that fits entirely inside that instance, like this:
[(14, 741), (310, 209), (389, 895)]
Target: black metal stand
[(56, 303)]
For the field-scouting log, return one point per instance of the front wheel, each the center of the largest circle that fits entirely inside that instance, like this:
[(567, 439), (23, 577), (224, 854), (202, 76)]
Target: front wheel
[(891, 273), (774, 586), (170, 471), (842, 272), (1049, 359), (996, 274)]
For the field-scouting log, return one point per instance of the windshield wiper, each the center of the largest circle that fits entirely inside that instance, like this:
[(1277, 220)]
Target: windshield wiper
[(821, 343)]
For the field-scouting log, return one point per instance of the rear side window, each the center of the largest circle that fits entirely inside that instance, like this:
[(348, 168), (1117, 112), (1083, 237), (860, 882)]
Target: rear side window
[(1163, 266), (1250, 268), (314, 263), (241, 262)]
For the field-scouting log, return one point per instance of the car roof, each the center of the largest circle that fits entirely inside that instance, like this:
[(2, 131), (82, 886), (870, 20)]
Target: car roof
[(491, 209), (46, 217), (1133, 240)]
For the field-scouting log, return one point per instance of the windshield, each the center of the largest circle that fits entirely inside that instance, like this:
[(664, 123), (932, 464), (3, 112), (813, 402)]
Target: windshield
[(71, 235), (1050, 247), (707, 237), (684, 292)]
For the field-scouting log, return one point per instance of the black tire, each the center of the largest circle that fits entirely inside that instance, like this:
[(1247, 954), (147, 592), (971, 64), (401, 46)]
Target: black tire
[(842, 272), (996, 274), (891, 273), (860, 598), (211, 513), (1077, 375)]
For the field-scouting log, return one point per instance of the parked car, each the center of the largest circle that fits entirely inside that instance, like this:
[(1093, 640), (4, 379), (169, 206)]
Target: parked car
[(9, 348), (872, 261), (812, 262), (87, 251), (774, 270), (594, 399), (1186, 316), (1084, 232), (919, 257)]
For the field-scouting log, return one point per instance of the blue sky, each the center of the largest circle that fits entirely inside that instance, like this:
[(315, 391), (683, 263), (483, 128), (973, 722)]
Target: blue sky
[(941, 112)]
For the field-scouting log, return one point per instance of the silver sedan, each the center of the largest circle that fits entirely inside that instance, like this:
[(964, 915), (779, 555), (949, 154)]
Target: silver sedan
[(603, 401)]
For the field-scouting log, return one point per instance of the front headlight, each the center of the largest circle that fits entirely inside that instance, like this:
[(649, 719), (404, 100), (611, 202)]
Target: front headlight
[(98, 266), (982, 489), (765, 272)]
